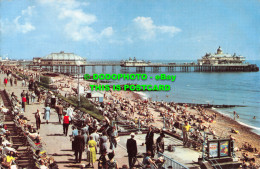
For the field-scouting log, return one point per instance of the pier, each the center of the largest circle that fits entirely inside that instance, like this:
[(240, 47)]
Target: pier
[(72, 64), (150, 67), (189, 67), (218, 62), (73, 69)]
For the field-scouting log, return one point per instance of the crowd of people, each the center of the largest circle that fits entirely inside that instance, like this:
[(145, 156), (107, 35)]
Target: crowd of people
[(9, 152), (92, 137)]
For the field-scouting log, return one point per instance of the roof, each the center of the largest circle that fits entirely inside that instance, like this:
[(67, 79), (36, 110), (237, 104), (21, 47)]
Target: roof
[(63, 56), (97, 94), (224, 55)]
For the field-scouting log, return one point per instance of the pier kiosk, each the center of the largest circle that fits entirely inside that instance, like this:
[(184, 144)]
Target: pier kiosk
[(219, 154)]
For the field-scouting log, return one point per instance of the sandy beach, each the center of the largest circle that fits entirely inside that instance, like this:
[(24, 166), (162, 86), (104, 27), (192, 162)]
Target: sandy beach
[(222, 125)]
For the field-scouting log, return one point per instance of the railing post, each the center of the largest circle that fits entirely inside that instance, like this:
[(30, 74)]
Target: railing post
[(203, 147), (171, 161), (233, 145)]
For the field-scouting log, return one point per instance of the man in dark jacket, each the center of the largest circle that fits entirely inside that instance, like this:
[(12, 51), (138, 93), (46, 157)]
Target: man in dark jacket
[(131, 150), (149, 141), (160, 143), (79, 146), (59, 110)]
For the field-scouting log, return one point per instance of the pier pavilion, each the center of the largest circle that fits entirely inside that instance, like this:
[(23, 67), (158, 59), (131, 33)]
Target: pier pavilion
[(60, 62), (218, 62)]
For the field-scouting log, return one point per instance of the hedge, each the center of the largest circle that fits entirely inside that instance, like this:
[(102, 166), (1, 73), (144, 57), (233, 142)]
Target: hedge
[(45, 79), (22, 76), (85, 105), (43, 85)]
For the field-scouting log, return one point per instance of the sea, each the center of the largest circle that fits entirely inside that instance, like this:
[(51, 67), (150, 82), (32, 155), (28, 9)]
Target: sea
[(229, 88)]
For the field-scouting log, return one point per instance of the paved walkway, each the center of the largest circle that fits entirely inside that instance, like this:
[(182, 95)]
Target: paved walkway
[(182, 155), (55, 143)]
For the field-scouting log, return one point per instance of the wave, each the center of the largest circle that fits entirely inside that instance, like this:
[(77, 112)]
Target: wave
[(252, 127), (223, 113)]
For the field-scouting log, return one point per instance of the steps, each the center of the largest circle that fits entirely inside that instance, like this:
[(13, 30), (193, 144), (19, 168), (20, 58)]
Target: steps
[(25, 159), (219, 163), (225, 163), (228, 165)]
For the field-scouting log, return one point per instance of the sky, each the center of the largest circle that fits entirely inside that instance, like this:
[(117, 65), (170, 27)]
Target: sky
[(119, 29)]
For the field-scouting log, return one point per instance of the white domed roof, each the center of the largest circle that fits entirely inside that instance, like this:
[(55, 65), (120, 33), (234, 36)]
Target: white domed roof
[(63, 56)]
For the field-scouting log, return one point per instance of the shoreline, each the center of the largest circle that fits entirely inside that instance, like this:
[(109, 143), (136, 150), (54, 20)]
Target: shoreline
[(245, 135), (244, 126), (234, 122), (228, 118), (223, 126)]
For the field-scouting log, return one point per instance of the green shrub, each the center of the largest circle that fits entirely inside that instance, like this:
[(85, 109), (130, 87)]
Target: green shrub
[(44, 85), (85, 106), (22, 76), (45, 79)]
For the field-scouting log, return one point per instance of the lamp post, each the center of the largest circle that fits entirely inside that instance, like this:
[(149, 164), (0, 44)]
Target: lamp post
[(39, 61), (203, 146), (78, 66)]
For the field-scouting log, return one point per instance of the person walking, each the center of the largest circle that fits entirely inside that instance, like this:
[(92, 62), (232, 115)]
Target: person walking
[(23, 83), (149, 141), (85, 129), (38, 119), (15, 82), (79, 147), (33, 96), (85, 135), (28, 97), (185, 129), (131, 147), (53, 101), (114, 135), (23, 94), (95, 135), (23, 103), (11, 82), (103, 143), (91, 154), (47, 113), (75, 132), (5, 81), (70, 113), (66, 123), (59, 110)]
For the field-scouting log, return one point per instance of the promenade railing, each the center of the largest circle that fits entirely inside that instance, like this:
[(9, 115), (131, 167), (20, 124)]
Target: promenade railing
[(171, 162)]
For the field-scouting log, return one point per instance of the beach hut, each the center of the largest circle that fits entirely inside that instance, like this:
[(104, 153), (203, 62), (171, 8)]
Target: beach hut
[(98, 97)]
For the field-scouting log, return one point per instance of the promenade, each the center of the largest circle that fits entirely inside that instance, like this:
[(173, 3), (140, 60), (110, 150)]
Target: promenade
[(55, 143)]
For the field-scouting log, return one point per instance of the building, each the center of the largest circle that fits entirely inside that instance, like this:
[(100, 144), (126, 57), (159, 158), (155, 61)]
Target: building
[(60, 62), (220, 58), (134, 62)]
